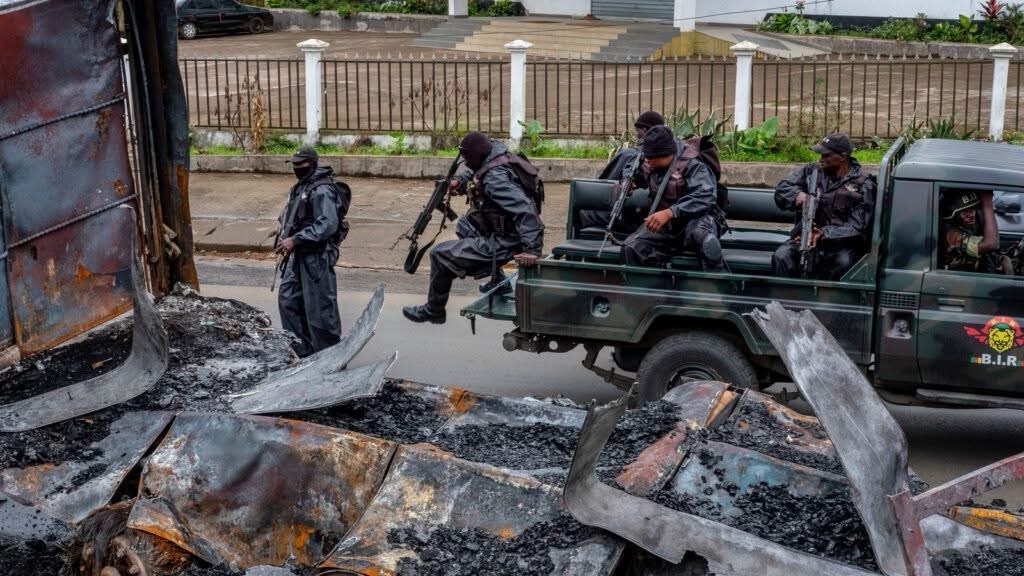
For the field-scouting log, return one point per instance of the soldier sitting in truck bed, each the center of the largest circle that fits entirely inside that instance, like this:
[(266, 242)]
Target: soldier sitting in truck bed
[(842, 222), (970, 233), (687, 216)]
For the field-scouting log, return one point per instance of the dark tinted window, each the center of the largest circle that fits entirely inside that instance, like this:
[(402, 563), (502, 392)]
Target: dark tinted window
[(201, 4)]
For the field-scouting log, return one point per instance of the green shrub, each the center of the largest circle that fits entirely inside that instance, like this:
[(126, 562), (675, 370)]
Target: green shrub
[(795, 24), (901, 29)]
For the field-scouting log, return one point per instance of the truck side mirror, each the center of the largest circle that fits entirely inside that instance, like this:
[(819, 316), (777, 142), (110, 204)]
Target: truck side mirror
[(1007, 204)]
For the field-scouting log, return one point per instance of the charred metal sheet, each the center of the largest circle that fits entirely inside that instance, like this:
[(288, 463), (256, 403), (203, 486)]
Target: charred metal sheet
[(941, 534), (19, 520), (320, 380), (484, 410), (665, 532), (260, 490), (71, 490), (870, 444), (742, 468), (67, 263), (427, 490), (143, 368), (998, 522), (803, 433), (158, 517), (698, 402), (313, 388)]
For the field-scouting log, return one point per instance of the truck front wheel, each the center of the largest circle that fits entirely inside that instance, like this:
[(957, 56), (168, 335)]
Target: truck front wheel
[(692, 356)]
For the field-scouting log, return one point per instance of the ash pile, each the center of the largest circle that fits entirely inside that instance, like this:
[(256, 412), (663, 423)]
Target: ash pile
[(241, 459)]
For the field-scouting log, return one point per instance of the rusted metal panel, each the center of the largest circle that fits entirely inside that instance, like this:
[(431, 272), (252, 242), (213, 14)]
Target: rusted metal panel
[(64, 159), (999, 522), (143, 368), (259, 489), (71, 490), (870, 444), (427, 489), (22, 521), (698, 403), (803, 433), (665, 532)]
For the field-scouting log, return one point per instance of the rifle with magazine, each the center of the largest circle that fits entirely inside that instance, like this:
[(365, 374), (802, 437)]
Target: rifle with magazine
[(440, 201), (624, 189), (810, 210), (285, 229)]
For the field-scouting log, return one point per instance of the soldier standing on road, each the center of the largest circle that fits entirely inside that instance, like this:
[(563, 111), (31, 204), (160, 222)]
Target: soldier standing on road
[(687, 217), (842, 224), (970, 233), (502, 224), (312, 228), (613, 171)]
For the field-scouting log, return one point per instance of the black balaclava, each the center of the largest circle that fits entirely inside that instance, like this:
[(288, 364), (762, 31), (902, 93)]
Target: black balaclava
[(475, 148), (303, 172)]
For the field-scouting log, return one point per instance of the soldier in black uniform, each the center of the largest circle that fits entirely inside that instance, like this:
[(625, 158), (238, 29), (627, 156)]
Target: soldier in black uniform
[(613, 171), (688, 216), (308, 298), (502, 224), (970, 233), (842, 223)]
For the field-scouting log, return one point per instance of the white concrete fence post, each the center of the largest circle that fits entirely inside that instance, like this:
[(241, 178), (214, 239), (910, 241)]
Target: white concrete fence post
[(684, 15), (744, 52), (458, 8), (517, 90), (314, 51), (1001, 53)]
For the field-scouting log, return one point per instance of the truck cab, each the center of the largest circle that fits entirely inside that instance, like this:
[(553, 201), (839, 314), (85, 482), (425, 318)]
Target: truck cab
[(922, 333)]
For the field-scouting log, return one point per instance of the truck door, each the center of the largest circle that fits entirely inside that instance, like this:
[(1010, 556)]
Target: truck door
[(971, 325)]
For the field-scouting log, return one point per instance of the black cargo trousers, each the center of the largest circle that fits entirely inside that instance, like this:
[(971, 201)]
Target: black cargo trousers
[(308, 298)]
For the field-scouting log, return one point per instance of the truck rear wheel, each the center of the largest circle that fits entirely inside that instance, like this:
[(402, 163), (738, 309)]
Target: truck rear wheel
[(696, 356)]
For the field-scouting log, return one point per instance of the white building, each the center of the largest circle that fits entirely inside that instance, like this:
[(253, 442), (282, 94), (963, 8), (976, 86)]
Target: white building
[(686, 12)]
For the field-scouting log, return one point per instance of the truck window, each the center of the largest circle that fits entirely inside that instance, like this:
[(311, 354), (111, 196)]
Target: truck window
[(969, 233)]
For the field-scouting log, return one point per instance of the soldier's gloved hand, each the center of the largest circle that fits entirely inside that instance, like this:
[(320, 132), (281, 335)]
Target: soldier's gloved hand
[(658, 220), (286, 246), (525, 259), (454, 187)]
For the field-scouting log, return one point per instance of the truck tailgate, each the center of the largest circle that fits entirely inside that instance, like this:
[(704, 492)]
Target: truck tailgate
[(494, 306)]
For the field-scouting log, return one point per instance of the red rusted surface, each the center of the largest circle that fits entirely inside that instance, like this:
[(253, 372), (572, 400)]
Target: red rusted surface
[(64, 155), (256, 490)]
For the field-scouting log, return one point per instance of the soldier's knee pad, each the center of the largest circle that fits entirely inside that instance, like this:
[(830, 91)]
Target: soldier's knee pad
[(711, 248)]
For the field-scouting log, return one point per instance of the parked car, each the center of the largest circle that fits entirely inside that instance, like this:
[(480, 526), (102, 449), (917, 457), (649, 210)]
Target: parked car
[(197, 17)]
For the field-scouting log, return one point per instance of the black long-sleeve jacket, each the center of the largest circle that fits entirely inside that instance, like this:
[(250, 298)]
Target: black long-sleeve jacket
[(847, 205), (316, 221), (499, 191), (691, 192)]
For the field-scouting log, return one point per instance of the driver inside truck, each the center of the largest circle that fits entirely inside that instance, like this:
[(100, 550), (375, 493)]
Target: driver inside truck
[(970, 234)]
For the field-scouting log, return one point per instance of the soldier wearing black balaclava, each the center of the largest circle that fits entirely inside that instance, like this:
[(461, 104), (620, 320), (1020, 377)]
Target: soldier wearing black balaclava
[(613, 171), (687, 216), (308, 298), (501, 224)]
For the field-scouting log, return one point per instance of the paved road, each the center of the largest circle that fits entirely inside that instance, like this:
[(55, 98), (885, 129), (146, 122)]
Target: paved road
[(944, 443)]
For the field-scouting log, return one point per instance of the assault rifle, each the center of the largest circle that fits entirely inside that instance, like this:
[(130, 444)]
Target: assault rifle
[(286, 228), (810, 210), (439, 201), (624, 189)]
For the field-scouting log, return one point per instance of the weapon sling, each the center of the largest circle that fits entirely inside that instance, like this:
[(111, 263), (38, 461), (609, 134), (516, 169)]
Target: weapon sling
[(664, 182)]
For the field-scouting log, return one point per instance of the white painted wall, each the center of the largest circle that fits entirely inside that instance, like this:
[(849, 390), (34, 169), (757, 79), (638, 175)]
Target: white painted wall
[(711, 11), (558, 7)]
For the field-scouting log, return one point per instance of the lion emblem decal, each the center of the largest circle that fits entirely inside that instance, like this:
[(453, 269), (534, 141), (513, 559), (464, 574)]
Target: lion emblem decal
[(1000, 334)]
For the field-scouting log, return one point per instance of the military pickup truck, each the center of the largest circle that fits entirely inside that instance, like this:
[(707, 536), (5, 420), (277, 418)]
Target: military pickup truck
[(922, 334)]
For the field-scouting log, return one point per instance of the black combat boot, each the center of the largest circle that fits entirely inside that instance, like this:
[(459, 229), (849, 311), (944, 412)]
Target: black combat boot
[(423, 313), (505, 288)]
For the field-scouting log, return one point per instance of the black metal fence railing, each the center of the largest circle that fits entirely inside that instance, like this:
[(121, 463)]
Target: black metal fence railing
[(865, 96), (416, 95)]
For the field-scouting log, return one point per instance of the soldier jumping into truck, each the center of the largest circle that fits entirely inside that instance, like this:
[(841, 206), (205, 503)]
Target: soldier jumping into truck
[(970, 233), (842, 222), (312, 229), (503, 223), (685, 214)]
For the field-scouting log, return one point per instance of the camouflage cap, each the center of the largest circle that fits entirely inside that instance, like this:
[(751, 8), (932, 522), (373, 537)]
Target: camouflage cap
[(303, 154)]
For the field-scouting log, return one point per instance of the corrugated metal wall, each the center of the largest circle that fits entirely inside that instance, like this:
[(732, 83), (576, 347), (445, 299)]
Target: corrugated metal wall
[(654, 9)]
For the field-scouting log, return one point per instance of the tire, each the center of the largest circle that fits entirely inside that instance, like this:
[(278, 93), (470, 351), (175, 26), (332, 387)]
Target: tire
[(256, 26), (189, 31), (697, 355), (628, 359)]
